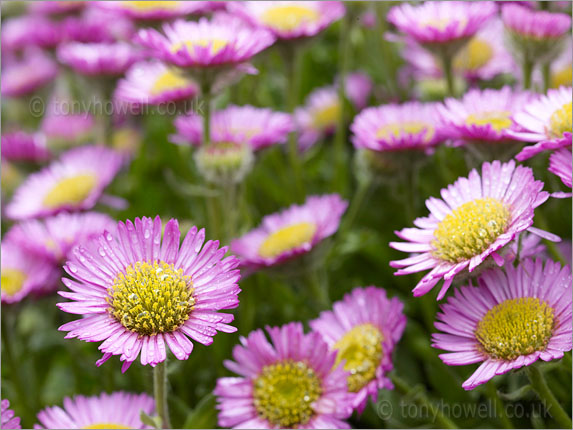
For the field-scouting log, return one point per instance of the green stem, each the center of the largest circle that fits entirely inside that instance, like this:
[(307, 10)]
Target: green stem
[(11, 358), (403, 387), (492, 393), (355, 205), (230, 208), (546, 71), (527, 68), (206, 91), (552, 405), (160, 392), (340, 136), (294, 57), (448, 70), (319, 289)]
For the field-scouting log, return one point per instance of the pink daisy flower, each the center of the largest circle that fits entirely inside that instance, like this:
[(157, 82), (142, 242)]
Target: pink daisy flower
[(56, 7), (562, 67), (142, 295), (318, 117), (223, 41), (95, 59), (358, 87), (290, 19), (9, 421), (16, 34), (74, 182), (560, 163), (97, 25), (291, 232), (22, 146), (439, 25), (546, 121), (482, 115), (290, 382), (56, 236), (32, 72), (411, 125), (116, 410), (24, 273), (511, 320), (153, 83), (63, 127), (258, 127), (160, 10), (363, 329), (476, 219)]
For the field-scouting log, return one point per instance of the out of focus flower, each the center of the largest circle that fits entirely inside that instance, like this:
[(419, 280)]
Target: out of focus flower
[(95, 59), (27, 75), (257, 127), (63, 126), (22, 146), (153, 83), (319, 116), (24, 273), (442, 27), (223, 41), (126, 140), (74, 182), (290, 19), (511, 320), (139, 293), (537, 36), (11, 177), (291, 232), (290, 382), (56, 236), (116, 410), (9, 421), (363, 329), (476, 219), (562, 68), (224, 162), (546, 121), (17, 33), (159, 10), (412, 125), (560, 164), (482, 116), (97, 25), (358, 87), (56, 7)]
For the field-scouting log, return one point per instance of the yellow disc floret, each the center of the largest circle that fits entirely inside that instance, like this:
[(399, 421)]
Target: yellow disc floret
[(215, 45), (107, 426), (289, 17), (12, 281), (168, 81), (476, 54), (361, 348), (516, 327), (151, 298), (562, 77), (326, 117), (560, 121), (470, 229), (283, 393), (404, 129), (499, 120), (70, 191), (287, 238), (150, 5)]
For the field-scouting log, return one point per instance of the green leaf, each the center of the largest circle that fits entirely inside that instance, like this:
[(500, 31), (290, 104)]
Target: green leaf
[(517, 394), (204, 416), (154, 422)]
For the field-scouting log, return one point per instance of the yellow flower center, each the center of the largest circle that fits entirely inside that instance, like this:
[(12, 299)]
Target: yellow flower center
[(289, 17), (560, 121), (562, 77), (442, 23), (499, 120), (150, 5), (12, 281), (516, 327), (287, 238), (107, 425), (151, 298), (476, 54), (326, 117), (284, 392), (168, 81), (215, 45), (70, 191), (470, 229), (403, 129), (361, 347)]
